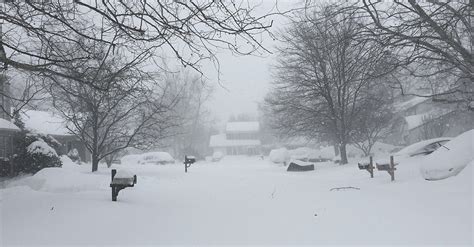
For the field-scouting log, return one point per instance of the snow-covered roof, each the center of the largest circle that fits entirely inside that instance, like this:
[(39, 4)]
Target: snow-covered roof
[(242, 127), (44, 123), (410, 103), (7, 125), (414, 121), (221, 141)]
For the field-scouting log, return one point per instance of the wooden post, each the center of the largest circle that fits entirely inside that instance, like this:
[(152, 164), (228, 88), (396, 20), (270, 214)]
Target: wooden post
[(12, 168), (392, 168), (114, 195), (371, 167)]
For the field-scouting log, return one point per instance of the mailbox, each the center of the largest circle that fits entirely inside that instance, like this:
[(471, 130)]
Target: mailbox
[(188, 161)]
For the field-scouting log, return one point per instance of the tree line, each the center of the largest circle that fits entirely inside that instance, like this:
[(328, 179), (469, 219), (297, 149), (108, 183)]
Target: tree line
[(340, 63), (102, 65)]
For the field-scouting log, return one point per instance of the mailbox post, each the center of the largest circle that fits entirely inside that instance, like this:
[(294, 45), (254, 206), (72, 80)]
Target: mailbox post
[(188, 161)]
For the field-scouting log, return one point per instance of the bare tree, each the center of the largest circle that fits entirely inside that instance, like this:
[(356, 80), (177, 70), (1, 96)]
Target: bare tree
[(430, 38), (119, 106), (376, 120), (191, 135), (325, 71), (34, 33)]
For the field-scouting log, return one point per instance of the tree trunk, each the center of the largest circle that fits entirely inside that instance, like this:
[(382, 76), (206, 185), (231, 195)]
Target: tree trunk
[(342, 148), (95, 162)]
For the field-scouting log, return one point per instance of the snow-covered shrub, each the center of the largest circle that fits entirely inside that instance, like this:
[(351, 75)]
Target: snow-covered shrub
[(73, 154), (34, 152), (217, 156), (67, 162), (40, 147), (280, 155), (450, 159)]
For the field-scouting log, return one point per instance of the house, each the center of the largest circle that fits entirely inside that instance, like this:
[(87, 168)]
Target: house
[(7, 128), (47, 123), (421, 118), (240, 138)]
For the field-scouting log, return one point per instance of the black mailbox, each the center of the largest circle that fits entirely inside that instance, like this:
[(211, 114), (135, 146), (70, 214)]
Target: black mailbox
[(188, 161)]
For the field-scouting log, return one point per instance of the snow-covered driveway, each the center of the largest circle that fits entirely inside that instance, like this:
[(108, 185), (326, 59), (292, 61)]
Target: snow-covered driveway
[(237, 201)]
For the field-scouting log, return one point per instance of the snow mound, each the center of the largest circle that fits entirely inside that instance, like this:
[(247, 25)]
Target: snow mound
[(217, 156), (67, 162), (280, 155), (147, 158), (59, 180), (451, 160), (41, 147)]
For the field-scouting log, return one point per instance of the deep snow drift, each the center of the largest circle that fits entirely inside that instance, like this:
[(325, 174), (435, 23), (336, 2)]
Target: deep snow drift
[(239, 200)]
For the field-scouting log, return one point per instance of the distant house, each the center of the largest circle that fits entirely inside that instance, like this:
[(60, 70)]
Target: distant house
[(420, 118), (240, 138), (43, 122)]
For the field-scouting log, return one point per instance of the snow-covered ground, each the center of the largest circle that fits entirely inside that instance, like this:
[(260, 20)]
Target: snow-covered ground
[(239, 200)]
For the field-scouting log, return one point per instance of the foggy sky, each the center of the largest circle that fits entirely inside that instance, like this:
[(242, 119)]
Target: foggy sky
[(244, 80)]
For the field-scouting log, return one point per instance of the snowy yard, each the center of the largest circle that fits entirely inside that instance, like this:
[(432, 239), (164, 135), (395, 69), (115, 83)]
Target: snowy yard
[(239, 200)]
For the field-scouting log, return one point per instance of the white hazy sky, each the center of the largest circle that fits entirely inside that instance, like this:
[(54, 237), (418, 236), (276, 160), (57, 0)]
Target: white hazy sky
[(245, 79)]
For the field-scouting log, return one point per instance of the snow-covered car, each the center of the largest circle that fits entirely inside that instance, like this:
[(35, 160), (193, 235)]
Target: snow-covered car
[(449, 161), (217, 156), (423, 147), (280, 156), (156, 158), (309, 155)]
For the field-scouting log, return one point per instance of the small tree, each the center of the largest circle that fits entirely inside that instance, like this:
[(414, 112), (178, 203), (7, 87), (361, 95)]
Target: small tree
[(376, 119)]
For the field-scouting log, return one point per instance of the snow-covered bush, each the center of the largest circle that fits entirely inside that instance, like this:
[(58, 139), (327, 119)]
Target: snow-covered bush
[(217, 156), (450, 159), (40, 147), (279, 156), (34, 152), (73, 154)]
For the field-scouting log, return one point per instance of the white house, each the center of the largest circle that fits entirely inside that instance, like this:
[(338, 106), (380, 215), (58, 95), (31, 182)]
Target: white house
[(240, 138)]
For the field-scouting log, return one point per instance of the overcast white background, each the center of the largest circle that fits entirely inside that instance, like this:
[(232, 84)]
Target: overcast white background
[(244, 80)]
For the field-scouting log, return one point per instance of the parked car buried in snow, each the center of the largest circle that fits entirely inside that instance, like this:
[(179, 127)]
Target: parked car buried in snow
[(156, 158), (423, 147), (217, 156)]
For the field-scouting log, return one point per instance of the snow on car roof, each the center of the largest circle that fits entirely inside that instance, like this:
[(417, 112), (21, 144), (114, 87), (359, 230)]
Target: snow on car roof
[(419, 145)]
